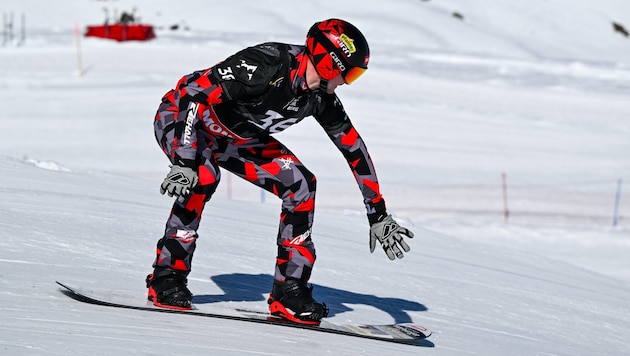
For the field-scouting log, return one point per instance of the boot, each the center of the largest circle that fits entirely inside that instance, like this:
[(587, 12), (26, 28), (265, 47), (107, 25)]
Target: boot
[(167, 289), (293, 300)]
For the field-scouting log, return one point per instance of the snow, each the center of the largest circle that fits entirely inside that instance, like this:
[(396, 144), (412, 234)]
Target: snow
[(536, 90)]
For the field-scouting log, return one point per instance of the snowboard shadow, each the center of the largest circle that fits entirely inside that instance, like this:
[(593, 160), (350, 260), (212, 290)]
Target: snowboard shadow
[(240, 287)]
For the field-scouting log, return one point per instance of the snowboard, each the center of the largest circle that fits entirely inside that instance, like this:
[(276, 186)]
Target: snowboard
[(403, 333)]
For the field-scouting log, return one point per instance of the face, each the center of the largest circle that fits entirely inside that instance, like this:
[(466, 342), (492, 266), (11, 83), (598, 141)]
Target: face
[(334, 83)]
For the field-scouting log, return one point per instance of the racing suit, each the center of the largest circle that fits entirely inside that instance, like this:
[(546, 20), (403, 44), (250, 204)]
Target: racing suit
[(225, 116)]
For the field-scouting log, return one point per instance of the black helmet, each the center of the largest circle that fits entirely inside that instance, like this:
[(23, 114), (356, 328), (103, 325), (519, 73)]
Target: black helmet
[(336, 46)]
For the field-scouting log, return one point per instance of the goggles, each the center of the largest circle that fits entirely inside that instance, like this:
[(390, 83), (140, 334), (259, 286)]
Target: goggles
[(352, 74)]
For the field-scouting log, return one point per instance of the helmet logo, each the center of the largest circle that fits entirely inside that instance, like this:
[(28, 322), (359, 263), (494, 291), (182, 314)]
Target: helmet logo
[(347, 44), (338, 62)]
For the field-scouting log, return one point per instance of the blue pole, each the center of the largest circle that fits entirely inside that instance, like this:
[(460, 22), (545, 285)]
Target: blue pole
[(617, 201), (262, 195)]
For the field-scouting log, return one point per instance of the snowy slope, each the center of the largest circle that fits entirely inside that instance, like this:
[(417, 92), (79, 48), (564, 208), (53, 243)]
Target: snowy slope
[(96, 230), (537, 90)]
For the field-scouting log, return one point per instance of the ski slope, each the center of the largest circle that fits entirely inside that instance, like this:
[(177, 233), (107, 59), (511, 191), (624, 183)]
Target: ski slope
[(537, 91)]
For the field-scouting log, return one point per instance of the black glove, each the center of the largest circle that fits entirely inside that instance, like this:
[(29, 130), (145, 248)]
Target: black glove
[(387, 231), (179, 182)]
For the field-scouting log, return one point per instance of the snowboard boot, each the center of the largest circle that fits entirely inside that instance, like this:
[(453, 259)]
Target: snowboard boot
[(167, 289), (293, 300)]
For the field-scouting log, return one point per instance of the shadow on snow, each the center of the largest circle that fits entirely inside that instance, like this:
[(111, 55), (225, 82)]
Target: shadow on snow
[(239, 287)]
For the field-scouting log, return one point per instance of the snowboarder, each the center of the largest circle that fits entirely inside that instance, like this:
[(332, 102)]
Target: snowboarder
[(225, 116)]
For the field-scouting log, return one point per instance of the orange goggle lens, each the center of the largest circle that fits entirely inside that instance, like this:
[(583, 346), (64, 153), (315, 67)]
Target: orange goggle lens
[(352, 74)]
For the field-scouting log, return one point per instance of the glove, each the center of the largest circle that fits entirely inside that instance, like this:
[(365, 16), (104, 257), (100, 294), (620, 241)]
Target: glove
[(390, 235), (179, 181)]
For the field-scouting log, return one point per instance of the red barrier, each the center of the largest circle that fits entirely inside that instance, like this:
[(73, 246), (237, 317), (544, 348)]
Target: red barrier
[(120, 32)]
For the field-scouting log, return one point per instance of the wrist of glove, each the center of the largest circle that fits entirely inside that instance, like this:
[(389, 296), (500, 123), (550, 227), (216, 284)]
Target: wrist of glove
[(179, 182), (389, 234)]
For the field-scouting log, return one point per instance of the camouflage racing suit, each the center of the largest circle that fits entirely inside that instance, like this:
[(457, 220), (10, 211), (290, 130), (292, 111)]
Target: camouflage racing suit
[(224, 116)]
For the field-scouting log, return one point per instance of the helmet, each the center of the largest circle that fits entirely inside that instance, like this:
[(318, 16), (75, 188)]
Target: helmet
[(336, 46)]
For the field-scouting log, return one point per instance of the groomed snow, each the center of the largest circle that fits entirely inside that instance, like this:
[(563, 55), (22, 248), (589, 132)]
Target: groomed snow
[(537, 91)]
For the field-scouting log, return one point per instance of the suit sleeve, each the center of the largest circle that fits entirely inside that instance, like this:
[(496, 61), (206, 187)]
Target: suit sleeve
[(343, 134), (179, 117)]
